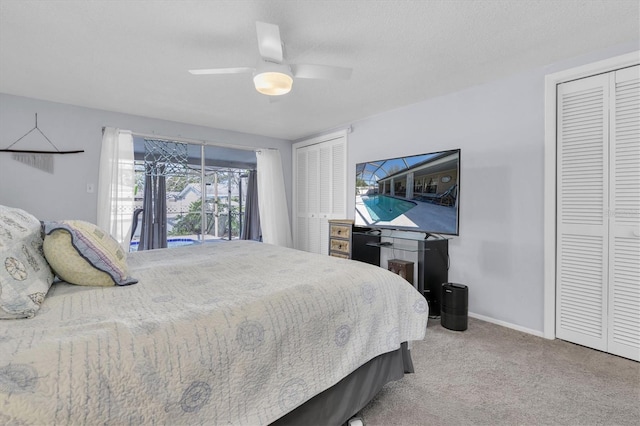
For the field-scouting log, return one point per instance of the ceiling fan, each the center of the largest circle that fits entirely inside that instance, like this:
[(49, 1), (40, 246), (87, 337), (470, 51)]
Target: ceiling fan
[(272, 76)]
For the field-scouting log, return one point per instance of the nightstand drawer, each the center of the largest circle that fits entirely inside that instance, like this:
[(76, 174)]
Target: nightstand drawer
[(340, 255), (340, 231), (340, 245)]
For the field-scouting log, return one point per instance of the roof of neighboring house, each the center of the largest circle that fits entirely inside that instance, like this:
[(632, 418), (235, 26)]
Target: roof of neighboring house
[(195, 188)]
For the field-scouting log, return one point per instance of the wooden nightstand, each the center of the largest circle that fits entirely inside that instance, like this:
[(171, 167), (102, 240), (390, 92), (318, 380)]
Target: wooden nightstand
[(340, 238)]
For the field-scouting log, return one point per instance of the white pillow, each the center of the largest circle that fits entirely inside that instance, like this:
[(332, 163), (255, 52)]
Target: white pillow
[(25, 275)]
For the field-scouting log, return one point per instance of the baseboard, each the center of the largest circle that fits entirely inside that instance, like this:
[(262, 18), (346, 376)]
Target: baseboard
[(507, 324)]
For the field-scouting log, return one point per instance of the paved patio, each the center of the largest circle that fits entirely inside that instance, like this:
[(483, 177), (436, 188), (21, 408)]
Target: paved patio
[(424, 216)]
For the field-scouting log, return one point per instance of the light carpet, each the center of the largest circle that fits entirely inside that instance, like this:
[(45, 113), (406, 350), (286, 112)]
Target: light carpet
[(493, 375)]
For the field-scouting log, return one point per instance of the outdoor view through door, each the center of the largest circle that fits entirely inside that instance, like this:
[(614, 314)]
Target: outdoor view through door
[(169, 196)]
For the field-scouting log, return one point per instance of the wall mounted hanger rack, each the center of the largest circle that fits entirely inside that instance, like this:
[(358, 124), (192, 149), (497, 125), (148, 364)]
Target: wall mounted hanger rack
[(31, 151), (40, 159)]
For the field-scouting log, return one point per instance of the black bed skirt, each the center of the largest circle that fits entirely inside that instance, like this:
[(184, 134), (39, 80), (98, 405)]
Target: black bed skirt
[(342, 401)]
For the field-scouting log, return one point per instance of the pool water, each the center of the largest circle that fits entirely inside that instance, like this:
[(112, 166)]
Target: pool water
[(384, 208), (173, 242)]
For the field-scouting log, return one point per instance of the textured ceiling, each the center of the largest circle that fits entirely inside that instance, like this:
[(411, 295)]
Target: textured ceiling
[(133, 56)]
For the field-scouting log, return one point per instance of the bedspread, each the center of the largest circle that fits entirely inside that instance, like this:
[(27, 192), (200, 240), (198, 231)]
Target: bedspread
[(224, 333)]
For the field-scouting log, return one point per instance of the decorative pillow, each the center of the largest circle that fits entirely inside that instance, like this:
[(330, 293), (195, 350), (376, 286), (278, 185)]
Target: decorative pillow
[(25, 276), (81, 253)]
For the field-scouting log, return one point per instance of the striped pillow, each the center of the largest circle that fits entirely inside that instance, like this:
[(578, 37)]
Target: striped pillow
[(81, 253)]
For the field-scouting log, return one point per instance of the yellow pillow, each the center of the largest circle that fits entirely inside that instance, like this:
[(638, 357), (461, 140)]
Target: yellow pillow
[(81, 253)]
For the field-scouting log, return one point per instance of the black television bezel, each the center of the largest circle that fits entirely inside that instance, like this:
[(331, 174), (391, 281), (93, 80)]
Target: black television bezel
[(374, 227)]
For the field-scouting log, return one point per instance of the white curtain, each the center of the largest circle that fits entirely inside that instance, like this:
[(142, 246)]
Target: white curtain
[(116, 185), (272, 200)]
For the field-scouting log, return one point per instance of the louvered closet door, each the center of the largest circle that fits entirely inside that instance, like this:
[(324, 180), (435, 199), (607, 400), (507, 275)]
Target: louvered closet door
[(320, 184), (624, 215), (338, 179), (332, 175), (301, 240), (313, 188), (325, 195), (581, 282), (308, 226)]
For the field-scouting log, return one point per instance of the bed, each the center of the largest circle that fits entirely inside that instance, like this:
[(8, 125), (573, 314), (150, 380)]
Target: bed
[(234, 332)]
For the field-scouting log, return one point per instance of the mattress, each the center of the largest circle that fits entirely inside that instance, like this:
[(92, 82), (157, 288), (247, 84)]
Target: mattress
[(226, 333)]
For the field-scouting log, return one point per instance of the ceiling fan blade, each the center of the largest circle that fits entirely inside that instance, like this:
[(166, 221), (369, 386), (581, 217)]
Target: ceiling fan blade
[(269, 42), (321, 71), (237, 70)]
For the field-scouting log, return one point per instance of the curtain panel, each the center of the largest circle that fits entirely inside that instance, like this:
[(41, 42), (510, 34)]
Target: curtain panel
[(272, 200), (116, 185), (153, 232), (251, 224)]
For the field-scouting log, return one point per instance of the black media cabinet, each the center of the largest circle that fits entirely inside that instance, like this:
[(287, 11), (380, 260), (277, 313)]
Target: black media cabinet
[(432, 255), (365, 246)]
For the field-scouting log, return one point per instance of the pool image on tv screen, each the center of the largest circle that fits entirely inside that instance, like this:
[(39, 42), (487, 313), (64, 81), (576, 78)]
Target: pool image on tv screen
[(416, 193)]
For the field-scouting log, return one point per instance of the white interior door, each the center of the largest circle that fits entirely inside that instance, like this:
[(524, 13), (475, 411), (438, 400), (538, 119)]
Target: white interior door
[(308, 226), (624, 216), (301, 228), (598, 217), (320, 190), (582, 245)]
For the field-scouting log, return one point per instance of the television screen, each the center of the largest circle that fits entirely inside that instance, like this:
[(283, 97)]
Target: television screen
[(414, 193)]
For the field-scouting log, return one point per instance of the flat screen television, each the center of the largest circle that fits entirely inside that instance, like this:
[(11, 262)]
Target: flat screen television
[(413, 193)]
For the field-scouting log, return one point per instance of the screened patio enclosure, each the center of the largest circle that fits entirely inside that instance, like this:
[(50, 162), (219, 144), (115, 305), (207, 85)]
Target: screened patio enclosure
[(408, 177), (187, 193)]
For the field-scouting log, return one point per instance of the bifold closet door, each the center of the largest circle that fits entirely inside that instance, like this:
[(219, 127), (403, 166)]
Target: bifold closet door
[(582, 188), (624, 216), (320, 191), (598, 217), (308, 222)]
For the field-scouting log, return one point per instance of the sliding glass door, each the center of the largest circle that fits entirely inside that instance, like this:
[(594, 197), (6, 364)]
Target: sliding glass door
[(201, 192)]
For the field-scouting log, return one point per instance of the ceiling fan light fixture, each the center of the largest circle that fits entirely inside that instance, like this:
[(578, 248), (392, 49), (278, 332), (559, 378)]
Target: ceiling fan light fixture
[(273, 83)]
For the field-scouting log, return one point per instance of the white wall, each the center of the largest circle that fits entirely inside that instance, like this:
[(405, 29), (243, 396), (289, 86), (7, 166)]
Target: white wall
[(500, 128), (63, 194)]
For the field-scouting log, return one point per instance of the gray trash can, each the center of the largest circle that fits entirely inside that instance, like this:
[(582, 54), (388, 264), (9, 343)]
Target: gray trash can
[(454, 306)]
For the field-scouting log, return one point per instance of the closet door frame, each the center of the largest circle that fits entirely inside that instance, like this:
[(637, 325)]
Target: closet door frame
[(550, 172)]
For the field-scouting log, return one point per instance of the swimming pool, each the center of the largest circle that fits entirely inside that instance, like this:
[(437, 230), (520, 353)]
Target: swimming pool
[(385, 208), (172, 242)]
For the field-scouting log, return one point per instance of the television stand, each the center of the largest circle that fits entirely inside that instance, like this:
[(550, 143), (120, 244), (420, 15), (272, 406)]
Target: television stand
[(430, 256)]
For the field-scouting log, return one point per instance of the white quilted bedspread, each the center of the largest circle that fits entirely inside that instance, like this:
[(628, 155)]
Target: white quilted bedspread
[(228, 333)]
